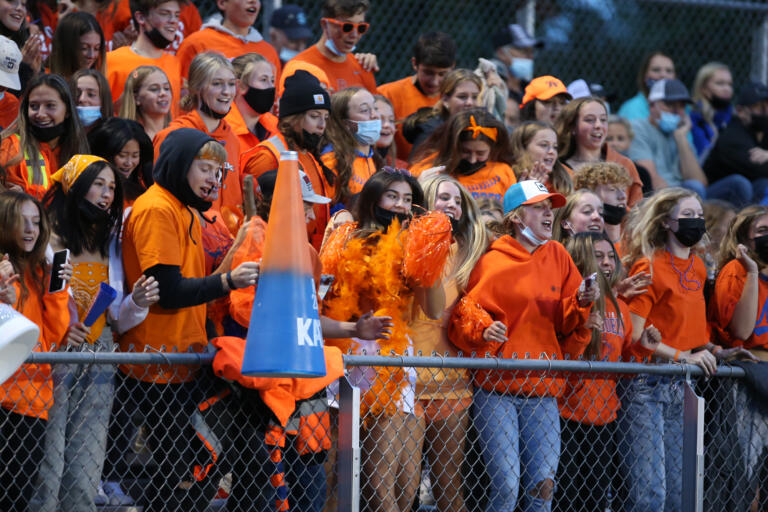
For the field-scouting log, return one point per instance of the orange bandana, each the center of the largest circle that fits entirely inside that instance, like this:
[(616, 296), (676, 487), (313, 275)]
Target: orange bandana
[(72, 170), (491, 133)]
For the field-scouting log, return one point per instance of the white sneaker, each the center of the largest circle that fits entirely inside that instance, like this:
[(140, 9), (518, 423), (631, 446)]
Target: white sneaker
[(101, 497), (116, 495)]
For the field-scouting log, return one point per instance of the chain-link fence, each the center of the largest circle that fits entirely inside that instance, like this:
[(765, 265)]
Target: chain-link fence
[(598, 40), (413, 434)]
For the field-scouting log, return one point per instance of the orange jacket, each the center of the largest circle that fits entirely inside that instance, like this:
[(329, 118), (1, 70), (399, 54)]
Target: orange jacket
[(363, 168), (535, 296), (340, 74), (30, 390), (674, 302), (9, 109), (20, 172), (265, 157), (231, 194), (248, 140), (728, 289), (406, 99)]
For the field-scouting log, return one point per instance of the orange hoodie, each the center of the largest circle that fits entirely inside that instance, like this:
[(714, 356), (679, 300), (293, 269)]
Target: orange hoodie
[(535, 296), (30, 390), (231, 194)]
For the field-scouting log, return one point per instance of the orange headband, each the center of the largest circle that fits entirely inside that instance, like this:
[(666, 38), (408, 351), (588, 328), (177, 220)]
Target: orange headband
[(72, 170), (491, 133)]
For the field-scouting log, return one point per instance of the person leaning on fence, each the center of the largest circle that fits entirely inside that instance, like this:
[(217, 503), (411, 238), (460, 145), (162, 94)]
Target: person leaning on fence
[(86, 209), (660, 239), (523, 295), (27, 396), (380, 263), (444, 396), (162, 238), (589, 402)]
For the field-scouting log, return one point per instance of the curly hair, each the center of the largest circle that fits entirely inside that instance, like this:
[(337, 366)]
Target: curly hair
[(601, 173)]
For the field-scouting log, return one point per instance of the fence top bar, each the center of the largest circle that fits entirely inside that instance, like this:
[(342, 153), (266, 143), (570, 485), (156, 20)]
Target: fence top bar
[(717, 4), (395, 361)]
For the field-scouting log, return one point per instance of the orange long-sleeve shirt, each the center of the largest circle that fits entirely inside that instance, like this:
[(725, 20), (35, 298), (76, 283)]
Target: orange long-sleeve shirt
[(728, 289), (535, 296)]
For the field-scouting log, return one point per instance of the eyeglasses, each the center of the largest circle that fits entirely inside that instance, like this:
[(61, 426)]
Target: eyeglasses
[(348, 26)]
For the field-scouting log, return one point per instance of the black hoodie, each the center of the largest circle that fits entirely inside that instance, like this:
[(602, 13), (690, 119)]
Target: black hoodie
[(177, 152)]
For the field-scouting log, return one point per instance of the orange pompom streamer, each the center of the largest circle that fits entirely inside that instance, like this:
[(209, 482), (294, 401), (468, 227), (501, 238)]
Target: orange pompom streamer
[(379, 272), (241, 300)]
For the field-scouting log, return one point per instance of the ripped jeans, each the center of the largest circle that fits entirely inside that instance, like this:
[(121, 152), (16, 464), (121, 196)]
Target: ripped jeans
[(520, 439)]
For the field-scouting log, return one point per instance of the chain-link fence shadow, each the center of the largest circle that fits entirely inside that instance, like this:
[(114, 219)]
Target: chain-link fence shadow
[(425, 434)]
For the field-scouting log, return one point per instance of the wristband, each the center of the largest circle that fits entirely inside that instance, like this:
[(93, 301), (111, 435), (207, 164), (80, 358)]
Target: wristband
[(230, 282), (677, 356)]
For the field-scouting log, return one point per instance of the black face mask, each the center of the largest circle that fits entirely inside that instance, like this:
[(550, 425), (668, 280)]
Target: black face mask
[(454, 224), (309, 141), (385, 217), (205, 109), (760, 123), (157, 39), (719, 103), (690, 231), (260, 100), (613, 215), (93, 213), (761, 247), (465, 168), (46, 133)]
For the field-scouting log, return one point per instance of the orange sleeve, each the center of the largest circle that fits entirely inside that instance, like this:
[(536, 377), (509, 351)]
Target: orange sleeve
[(728, 288), (466, 326), (9, 151), (571, 316), (158, 140), (575, 343), (187, 51), (191, 19), (257, 161), (156, 238), (56, 318), (9, 110), (642, 304)]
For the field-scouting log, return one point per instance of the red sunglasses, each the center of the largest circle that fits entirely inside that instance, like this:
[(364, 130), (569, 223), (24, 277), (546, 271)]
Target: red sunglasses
[(348, 26)]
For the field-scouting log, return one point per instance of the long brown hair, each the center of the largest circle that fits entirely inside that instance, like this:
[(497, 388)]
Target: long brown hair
[(521, 138), (128, 107), (738, 233), (566, 124), (32, 262)]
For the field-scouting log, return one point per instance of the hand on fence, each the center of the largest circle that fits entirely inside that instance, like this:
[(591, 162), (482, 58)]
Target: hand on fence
[(740, 353), (497, 331), (650, 338), (704, 360), (371, 327)]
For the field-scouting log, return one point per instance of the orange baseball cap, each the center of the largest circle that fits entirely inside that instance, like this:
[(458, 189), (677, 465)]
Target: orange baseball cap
[(544, 88)]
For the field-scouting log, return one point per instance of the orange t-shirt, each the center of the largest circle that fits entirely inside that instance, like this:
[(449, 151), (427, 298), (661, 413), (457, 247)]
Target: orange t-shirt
[(247, 139), (728, 289), (362, 168), (212, 40), (161, 231), (406, 99), (231, 193), (340, 74), (535, 296), (122, 61), (9, 109), (264, 158), (30, 390), (674, 302), (189, 23), (591, 397), (114, 19), (19, 173), (491, 181)]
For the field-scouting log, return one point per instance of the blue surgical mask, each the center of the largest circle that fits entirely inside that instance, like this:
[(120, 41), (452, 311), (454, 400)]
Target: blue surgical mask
[(287, 54), (368, 132), (668, 122), (522, 69), (88, 115), (332, 48)]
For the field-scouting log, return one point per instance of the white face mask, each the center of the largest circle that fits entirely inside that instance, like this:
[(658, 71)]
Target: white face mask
[(532, 238)]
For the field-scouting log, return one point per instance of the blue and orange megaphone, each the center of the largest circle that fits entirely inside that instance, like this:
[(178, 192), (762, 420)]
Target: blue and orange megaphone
[(284, 337)]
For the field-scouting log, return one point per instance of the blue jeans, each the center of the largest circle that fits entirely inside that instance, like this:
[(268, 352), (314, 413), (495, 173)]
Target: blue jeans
[(649, 436), (520, 439), (735, 189)]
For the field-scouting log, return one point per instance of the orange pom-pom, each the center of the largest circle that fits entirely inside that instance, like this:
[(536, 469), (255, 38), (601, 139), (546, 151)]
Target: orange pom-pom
[(427, 248), (233, 218), (241, 300)]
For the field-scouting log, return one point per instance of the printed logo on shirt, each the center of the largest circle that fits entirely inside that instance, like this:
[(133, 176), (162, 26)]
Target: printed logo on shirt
[(319, 100), (611, 325), (761, 326)]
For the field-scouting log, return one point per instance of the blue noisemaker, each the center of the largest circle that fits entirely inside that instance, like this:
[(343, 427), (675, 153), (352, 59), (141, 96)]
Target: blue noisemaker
[(284, 338)]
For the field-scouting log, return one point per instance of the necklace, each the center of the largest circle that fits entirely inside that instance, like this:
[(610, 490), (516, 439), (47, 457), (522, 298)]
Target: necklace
[(684, 275)]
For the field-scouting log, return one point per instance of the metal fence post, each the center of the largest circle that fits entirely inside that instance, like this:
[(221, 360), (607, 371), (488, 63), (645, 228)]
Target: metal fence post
[(693, 451), (760, 52), (349, 446)]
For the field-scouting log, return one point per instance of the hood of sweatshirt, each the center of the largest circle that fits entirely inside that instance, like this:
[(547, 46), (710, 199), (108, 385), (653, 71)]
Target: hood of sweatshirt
[(215, 22), (177, 153), (510, 247)]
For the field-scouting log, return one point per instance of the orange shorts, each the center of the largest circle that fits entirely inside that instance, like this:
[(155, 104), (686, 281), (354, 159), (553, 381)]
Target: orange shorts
[(438, 409)]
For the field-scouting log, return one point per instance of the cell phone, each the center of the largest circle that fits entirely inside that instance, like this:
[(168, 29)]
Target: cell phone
[(59, 259), (589, 280)]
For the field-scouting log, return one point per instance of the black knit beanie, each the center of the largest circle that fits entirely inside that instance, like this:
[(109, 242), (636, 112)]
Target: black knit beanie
[(303, 92)]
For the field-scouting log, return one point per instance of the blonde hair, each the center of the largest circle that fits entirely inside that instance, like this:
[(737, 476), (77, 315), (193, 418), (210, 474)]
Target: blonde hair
[(471, 234), (704, 75), (738, 233), (559, 233), (592, 175), (521, 137), (136, 78), (244, 65), (565, 127), (644, 231), (614, 119), (201, 71), (213, 150), (449, 84)]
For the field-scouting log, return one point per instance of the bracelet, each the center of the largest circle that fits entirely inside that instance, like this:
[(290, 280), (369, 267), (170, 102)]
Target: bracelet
[(230, 282), (677, 356)]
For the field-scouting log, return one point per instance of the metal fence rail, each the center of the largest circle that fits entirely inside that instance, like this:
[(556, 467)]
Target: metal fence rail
[(403, 433)]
